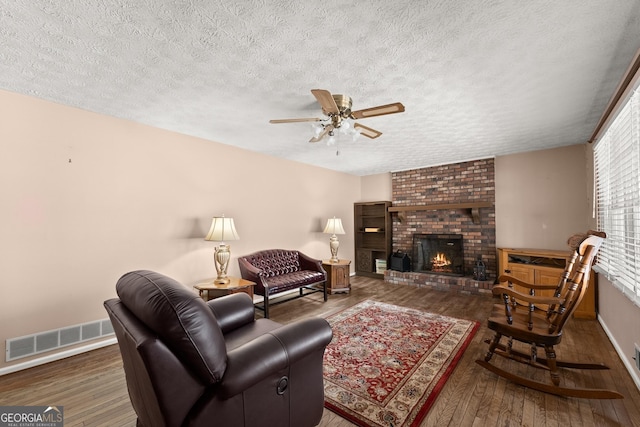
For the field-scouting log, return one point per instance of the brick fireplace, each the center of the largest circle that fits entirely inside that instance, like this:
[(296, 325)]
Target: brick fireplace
[(449, 199), (438, 254)]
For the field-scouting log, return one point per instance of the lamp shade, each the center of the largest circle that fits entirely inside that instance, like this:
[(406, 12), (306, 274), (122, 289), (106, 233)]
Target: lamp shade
[(222, 229), (334, 226)]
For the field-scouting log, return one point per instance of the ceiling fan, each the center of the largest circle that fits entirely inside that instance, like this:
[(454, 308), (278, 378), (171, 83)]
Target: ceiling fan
[(337, 108)]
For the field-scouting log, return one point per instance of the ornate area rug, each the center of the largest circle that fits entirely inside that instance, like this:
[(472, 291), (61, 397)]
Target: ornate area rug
[(386, 364)]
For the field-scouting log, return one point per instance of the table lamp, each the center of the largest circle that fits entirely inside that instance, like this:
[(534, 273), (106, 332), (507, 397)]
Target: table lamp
[(222, 229), (334, 226)]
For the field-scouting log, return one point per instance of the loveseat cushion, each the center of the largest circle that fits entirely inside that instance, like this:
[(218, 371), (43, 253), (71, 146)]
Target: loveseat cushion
[(180, 318), (296, 279)]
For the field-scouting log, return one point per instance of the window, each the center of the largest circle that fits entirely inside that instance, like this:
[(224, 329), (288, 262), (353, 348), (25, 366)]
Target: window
[(617, 199)]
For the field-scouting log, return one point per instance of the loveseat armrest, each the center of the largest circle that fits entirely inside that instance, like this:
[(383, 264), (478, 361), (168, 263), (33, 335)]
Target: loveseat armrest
[(268, 354), (232, 311), (254, 274), (308, 263), (248, 271)]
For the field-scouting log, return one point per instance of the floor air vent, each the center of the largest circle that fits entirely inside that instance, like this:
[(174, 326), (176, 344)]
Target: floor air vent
[(30, 345)]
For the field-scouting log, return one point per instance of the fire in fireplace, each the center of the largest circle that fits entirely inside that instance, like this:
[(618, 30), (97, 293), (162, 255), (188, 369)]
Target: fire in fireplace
[(438, 254)]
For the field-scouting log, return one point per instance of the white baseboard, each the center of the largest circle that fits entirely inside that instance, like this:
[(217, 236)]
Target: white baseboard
[(627, 363), (56, 356)]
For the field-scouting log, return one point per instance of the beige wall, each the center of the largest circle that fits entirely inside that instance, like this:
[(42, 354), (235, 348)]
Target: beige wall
[(542, 197), (621, 319), (86, 198), (376, 188)]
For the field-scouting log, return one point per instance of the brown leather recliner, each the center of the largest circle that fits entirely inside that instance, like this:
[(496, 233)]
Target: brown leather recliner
[(191, 363)]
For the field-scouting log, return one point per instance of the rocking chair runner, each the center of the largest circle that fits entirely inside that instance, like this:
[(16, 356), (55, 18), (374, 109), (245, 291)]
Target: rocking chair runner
[(530, 325)]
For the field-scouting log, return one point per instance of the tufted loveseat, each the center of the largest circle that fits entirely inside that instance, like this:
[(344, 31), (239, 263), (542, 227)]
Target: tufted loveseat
[(275, 271)]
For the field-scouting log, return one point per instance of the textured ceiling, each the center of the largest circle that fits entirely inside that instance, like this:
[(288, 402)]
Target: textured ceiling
[(478, 78)]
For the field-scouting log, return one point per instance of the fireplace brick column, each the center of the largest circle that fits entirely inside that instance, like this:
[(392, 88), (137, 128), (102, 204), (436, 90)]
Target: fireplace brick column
[(472, 181)]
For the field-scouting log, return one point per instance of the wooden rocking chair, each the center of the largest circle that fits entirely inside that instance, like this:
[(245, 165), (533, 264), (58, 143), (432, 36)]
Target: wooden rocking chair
[(530, 325)]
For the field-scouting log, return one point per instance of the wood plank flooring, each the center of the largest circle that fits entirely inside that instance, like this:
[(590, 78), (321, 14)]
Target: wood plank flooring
[(92, 387)]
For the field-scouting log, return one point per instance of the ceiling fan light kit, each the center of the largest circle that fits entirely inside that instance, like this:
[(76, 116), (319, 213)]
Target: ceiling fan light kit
[(337, 109)]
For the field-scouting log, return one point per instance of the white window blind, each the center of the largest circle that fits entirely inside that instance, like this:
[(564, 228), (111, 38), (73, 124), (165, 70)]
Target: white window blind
[(617, 199)]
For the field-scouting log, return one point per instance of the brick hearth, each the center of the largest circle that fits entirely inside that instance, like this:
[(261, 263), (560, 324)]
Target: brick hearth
[(463, 285)]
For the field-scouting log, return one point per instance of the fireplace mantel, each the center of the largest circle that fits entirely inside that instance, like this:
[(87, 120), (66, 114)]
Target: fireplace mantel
[(473, 207)]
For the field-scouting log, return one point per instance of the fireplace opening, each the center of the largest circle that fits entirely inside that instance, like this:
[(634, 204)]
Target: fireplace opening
[(438, 254)]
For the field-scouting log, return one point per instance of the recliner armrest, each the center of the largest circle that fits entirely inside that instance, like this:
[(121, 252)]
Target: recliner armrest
[(232, 311), (303, 337), (255, 361)]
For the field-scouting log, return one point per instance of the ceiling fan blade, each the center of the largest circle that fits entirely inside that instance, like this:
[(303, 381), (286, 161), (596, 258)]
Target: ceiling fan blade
[(294, 120), (378, 111), (326, 101), (367, 131), (322, 134)]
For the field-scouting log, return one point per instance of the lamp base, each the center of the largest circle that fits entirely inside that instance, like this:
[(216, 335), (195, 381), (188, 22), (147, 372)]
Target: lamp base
[(333, 245), (221, 257)]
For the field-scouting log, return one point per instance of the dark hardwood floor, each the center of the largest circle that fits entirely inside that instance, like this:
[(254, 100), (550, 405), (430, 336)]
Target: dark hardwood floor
[(92, 388)]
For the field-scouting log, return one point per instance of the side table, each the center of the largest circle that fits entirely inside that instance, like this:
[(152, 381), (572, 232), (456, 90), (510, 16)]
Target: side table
[(337, 275), (209, 290)]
